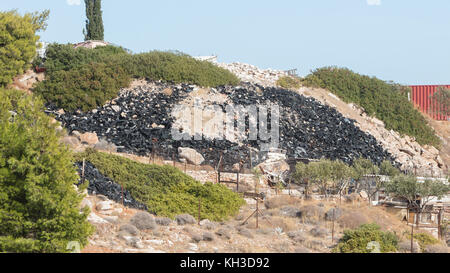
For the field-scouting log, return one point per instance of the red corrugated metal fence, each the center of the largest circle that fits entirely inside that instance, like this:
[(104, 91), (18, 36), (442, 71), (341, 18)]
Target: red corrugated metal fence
[(421, 97)]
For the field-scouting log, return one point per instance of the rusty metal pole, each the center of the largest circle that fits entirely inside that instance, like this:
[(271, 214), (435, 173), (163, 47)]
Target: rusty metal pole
[(237, 182), (257, 212), (82, 172), (332, 227), (250, 155), (199, 209), (121, 186)]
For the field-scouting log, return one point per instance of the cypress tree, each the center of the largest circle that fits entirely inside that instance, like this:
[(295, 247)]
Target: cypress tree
[(94, 22)]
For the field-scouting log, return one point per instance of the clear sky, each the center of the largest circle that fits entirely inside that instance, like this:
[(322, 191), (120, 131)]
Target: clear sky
[(406, 41)]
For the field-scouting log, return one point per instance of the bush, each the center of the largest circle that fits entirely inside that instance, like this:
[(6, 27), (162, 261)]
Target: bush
[(18, 42), (357, 240), (289, 82), (166, 190), (386, 101), (424, 240), (65, 57), (177, 68), (86, 78), (84, 88), (39, 207)]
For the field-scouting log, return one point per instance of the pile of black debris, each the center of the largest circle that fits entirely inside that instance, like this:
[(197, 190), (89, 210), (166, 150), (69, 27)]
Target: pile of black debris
[(99, 184), (139, 122)]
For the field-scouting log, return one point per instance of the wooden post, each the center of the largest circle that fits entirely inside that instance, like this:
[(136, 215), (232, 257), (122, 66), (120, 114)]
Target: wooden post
[(440, 235), (185, 166), (173, 159)]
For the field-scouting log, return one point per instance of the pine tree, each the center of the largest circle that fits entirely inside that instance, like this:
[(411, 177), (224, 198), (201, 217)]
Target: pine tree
[(94, 22), (18, 42), (39, 205)]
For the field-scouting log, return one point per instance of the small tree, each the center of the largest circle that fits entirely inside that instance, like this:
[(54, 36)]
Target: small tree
[(94, 23), (363, 167), (18, 42), (418, 195), (386, 168), (39, 206), (340, 176), (442, 99)]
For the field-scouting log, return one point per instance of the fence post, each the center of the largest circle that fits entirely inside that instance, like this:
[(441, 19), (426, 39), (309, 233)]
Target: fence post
[(199, 209), (82, 172), (237, 182)]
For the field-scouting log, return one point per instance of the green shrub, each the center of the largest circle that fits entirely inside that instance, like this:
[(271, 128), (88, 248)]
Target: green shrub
[(357, 240), (65, 57), (166, 190), (84, 88), (288, 82), (39, 207), (424, 239), (18, 42), (178, 68), (86, 78), (386, 101)]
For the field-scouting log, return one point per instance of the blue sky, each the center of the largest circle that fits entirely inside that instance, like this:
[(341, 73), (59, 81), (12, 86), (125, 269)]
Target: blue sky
[(407, 41)]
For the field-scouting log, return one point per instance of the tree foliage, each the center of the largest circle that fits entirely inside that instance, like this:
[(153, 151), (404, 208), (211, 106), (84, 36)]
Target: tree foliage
[(39, 206), (386, 101), (442, 101), (87, 87), (18, 42), (94, 22), (407, 187)]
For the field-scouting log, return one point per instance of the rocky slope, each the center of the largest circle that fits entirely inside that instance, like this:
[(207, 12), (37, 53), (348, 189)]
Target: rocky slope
[(141, 119)]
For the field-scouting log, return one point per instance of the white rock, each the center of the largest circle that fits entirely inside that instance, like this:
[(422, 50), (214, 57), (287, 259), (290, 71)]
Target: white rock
[(95, 219), (104, 205), (191, 155), (193, 247)]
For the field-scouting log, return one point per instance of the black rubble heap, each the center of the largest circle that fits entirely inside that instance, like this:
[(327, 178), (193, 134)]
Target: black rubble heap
[(308, 129), (99, 184)]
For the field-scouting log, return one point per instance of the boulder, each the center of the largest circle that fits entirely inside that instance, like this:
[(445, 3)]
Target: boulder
[(185, 219), (224, 233), (71, 141), (130, 229), (245, 232), (89, 138), (143, 221), (191, 155), (104, 205), (290, 211), (208, 236), (163, 221)]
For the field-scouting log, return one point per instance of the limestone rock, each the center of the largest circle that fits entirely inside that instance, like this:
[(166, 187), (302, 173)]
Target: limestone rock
[(191, 155), (89, 138)]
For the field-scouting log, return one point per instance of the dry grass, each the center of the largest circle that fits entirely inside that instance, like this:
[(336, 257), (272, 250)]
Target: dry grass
[(282, 201)]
